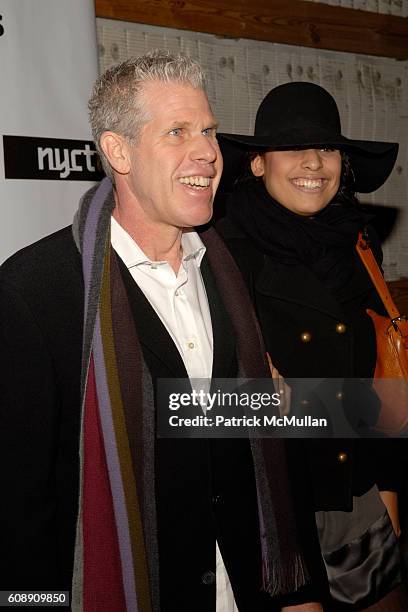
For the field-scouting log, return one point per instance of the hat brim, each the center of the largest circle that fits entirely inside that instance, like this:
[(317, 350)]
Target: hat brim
[(372, 161)]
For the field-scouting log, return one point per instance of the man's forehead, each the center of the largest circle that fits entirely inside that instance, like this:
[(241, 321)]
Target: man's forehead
[(152, 86), (173, 99)]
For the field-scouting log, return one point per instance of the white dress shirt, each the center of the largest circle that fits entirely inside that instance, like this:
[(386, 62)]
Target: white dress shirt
[(180, 301)]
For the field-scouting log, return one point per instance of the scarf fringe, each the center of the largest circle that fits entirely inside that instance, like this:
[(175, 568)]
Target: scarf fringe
[(284, 576)]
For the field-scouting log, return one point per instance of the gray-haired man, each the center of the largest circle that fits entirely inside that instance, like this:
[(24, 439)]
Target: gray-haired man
[(134, 294)]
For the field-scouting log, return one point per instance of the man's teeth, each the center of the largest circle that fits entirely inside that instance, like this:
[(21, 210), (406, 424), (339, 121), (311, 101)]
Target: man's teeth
[(308, 183), (196, 181)]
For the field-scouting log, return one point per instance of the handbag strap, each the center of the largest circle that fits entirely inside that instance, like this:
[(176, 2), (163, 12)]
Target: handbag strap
[(370, 263)]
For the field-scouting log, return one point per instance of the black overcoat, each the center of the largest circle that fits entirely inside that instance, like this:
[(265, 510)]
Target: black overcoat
[(205, 489), (309, 334)]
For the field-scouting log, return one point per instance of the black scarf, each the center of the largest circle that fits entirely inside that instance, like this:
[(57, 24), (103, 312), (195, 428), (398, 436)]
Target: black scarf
[(324, 242)]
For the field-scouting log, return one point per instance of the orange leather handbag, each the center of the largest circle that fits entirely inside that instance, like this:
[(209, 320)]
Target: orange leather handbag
[(391, 372)]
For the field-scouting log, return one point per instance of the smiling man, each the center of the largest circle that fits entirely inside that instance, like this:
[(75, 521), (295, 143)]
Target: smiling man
[(91, 318)]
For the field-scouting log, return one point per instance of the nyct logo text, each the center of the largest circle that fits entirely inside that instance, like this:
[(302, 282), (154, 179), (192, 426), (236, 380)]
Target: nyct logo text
[(66, 161)]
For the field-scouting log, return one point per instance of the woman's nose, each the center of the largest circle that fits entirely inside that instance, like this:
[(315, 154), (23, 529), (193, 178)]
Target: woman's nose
[(311, 159)]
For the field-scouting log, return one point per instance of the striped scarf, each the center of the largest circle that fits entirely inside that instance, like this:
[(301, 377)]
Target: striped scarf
[(116, 551)]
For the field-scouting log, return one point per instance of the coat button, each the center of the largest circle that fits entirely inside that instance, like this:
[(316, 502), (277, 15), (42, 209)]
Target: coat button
[(342, 457), (340, 328), (208, 577), (305, 403), (339, 395), (305, 336)]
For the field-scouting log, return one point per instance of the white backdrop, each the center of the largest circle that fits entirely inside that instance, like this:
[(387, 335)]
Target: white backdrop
[(371, 92), (48, 62)]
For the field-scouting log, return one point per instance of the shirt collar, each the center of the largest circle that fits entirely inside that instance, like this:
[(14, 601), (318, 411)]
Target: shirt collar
[(132, 255)]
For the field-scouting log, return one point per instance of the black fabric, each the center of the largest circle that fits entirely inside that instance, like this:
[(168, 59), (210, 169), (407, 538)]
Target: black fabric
[(290, 300), (39, 413), (323, 242)]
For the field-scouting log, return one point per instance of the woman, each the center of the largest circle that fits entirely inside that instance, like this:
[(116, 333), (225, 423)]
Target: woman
[(292, 225)]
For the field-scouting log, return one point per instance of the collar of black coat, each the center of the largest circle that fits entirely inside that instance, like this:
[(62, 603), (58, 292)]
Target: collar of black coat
[(291, 283)]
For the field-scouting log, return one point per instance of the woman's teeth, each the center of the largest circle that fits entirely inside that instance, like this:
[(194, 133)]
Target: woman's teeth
[(308, 183)]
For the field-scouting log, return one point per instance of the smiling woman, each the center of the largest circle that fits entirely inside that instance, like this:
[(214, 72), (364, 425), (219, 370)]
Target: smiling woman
[(303, 180), (292, 224)]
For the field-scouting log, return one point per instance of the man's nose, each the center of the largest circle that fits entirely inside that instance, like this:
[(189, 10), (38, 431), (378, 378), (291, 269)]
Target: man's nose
[(205, 149), (311, 159)]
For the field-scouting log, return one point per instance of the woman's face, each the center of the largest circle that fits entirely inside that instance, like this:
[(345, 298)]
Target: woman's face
[(302, 181)]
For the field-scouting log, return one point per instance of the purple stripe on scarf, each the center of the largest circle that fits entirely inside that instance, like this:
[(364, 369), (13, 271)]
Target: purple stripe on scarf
[(91, 226), (112, 459)]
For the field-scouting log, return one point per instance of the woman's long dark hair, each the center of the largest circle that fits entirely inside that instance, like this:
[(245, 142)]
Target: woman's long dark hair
[(346, 194)]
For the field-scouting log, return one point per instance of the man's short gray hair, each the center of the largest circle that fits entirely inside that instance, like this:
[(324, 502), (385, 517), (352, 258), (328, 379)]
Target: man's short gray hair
[(116, 103)]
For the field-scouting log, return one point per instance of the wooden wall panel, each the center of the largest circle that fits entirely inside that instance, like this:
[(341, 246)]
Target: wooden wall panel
[(291, 22), (399, 291)]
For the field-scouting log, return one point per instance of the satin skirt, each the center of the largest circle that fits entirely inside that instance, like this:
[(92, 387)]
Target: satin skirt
[(361, 553)]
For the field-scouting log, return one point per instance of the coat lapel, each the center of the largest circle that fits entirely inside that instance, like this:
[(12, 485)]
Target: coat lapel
[(152, 333)]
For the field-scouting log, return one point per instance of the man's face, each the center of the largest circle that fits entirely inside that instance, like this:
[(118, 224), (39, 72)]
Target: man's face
[(176, 163)]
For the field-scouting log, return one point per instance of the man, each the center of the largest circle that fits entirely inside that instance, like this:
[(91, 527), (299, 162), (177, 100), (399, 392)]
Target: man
[(84, 325)]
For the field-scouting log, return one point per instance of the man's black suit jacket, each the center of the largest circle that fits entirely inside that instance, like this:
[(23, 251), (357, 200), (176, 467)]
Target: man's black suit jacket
[(205, 489)]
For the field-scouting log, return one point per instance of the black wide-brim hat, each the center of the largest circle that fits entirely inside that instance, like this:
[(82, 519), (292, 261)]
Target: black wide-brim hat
[(305, 116)]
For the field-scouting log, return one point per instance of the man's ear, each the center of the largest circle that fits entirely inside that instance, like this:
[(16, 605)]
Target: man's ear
[(116, 150), (258, 166)]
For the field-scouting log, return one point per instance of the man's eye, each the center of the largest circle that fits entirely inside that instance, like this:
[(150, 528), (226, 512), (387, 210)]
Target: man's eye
[(327, 150), (175, 132), (209, 131)]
